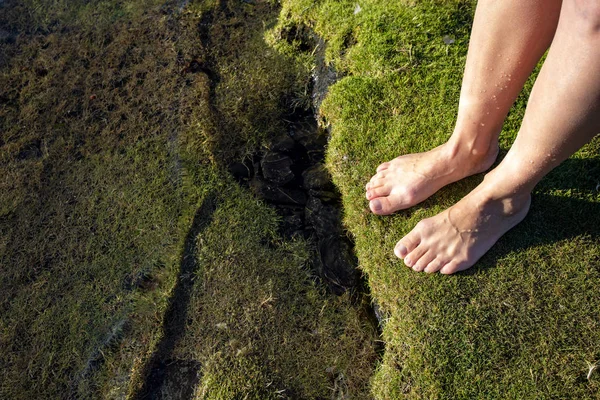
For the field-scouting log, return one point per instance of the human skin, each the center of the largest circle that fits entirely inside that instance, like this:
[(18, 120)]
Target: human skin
[(507, 40), (563, 114)]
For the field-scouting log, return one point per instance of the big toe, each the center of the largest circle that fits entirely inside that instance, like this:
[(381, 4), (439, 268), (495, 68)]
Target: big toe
[(374, 193), (382, 206), (383, 167), (407, 244), (394, 200), (455, 266)]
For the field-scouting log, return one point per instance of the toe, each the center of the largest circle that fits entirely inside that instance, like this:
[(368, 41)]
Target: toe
[(389, 204), (413, 257), (454, 266), (383, 166), (378, 206), (434, 266), (424, 261), (407, 244), (378, 192), (379, 175), (376, 182), (382, 206)]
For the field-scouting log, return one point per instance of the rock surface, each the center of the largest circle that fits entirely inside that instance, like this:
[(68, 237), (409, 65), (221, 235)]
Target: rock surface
[(283, 143), (291, 176), (317, 177), (273, 193), (276, 168)]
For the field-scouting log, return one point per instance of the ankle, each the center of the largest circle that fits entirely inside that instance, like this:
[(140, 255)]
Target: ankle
[(476, 132), (475, 154), (509, 198)]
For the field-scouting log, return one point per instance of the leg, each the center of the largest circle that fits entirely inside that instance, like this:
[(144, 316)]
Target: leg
[(507, 40), (563, 114)]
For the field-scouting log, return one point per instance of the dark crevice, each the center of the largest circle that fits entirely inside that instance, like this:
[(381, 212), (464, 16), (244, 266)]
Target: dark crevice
[(290, 175)]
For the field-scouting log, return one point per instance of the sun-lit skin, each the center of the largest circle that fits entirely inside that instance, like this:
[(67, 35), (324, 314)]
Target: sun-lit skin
[(563, 113)]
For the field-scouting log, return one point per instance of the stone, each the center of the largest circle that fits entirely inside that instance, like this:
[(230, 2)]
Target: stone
[(324, 218), (282, 143), (378, 313), (325, 195), (275, 194), (324, 75), (276, 168), (339, 263), (316, 156), (317, 177), (292, 226), (306, 132)]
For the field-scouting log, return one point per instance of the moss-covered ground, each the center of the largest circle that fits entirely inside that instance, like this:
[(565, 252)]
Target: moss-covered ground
[(524, 322), (118, 120)]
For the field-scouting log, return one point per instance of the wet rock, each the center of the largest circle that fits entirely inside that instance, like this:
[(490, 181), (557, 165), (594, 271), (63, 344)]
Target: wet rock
[(276, 168), (317, 177), (306, 132), (316, 155), (292, 226), (378, 313), (282, 143), (323, 75), (339, 263), (325, 218), (278, 195), (286, 210), (325, 195)]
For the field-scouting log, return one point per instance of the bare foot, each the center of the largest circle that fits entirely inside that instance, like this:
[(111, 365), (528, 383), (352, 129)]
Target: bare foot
[(410, 179), (456, 238)]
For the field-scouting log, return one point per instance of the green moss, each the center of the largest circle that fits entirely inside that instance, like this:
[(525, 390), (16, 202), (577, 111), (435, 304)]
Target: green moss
[(262, 327), (521, 323), (110, 141)]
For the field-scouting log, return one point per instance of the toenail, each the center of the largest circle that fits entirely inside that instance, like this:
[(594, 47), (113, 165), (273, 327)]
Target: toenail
[(407, 262), (401, 250), (376, 204)]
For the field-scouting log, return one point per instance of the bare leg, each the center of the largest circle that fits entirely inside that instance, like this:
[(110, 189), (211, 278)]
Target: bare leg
[(563, 114), (507, 40)]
